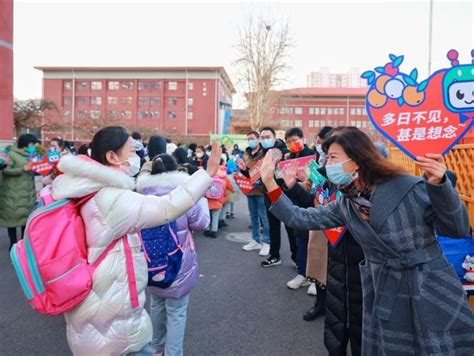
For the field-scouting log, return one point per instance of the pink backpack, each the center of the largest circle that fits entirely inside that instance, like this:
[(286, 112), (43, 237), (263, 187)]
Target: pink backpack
[(217, 189), (51, 260)]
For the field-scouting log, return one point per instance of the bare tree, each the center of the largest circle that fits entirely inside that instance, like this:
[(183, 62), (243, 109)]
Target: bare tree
[(263, 49), (32, 114)]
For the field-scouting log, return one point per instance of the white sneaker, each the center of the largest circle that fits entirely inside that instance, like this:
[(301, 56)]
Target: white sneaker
[(298, 282), (252, 245), (312, 289), (265, 250)]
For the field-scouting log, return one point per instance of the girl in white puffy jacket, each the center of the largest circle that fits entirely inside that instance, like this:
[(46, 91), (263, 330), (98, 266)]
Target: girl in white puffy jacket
[(105, 323)]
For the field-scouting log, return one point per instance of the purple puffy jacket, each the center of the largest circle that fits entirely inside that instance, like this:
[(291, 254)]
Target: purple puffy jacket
[(196, 219)]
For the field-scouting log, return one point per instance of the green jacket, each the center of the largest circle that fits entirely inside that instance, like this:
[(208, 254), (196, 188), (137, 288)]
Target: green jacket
[(17, 190)]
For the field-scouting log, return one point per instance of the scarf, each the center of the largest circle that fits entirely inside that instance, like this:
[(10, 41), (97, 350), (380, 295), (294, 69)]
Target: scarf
[(360, 198)]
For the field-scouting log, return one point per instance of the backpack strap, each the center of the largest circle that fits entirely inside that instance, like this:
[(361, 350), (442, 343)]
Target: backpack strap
[(104, 253), (81, 201), (132, 283), (175, 238)]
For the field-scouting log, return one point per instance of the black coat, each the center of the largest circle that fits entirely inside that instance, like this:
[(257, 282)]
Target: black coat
[(344, 298), (343, 321)]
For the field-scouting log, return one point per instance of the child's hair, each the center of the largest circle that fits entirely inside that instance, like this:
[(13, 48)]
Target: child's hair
[(163, 163)]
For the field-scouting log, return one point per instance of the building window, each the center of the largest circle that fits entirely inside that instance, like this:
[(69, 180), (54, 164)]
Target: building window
[(143, 101), (283, 110), (67, 85), (172, 85), (142, 85), (190, 115), (127, 85), (298, 110), (83, 85), (190, 86), (353, 123), (286, 123), (311, 111), (316, 111), (316, 123), (127, 100), (81, 114), (364, 111), (171, 115), (155, 101), (155, 115), (114, 86), (66, 100), (359, 111), (310, 123), (83, 100), (67, 114), (96, 100), (112, 100), (323, 111), (330, 112), (353, 111), (341, 111), (96, 85), (298, 123), (126, 114), (112, 114), (156, 85), (172, 101), (190, 101), (143, 114), (95, 114)]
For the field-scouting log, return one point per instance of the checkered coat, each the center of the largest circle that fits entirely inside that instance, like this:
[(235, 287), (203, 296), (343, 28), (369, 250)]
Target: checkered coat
[(413, 302)]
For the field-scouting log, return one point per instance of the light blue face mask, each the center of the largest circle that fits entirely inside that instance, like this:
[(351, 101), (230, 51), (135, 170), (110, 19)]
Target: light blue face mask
[(319, 148), (336, 174), (30, 149), (253, 143), (267, 143)]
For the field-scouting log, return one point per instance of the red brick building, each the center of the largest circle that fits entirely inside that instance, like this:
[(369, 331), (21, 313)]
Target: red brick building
[(312, 108), (6, 71), (172, 101)]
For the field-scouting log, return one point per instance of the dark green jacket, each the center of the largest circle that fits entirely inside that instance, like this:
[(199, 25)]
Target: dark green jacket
[(17, 190)]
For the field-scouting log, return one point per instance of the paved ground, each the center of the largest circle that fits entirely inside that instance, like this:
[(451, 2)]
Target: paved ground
[(237, 308)]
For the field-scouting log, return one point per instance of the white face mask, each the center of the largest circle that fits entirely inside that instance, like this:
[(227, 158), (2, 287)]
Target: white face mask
[(133, 169)]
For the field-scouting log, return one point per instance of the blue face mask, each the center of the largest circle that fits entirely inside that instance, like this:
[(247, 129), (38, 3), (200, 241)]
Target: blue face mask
[(30, 149), (267, 143), (336, 174), (319, 148), (253, 144)]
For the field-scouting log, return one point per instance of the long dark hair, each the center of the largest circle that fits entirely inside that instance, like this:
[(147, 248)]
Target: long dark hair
[(111, 138), (163, 163), (373, 167)]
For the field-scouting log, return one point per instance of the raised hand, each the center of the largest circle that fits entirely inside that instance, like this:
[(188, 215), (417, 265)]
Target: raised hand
[(267, 171), (241, 164), (433, 166), (214, 159), (289, 174)]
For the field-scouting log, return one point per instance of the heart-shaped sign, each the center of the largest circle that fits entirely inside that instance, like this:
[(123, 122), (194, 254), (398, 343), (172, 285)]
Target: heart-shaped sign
[(45, 165), (421, 117), (323, 196)]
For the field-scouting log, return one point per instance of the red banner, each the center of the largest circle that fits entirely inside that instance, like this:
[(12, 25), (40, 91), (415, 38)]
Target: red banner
[(243, 183)]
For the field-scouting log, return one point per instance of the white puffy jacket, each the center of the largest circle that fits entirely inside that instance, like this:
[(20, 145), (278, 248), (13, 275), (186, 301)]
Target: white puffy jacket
[(105, 323)]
